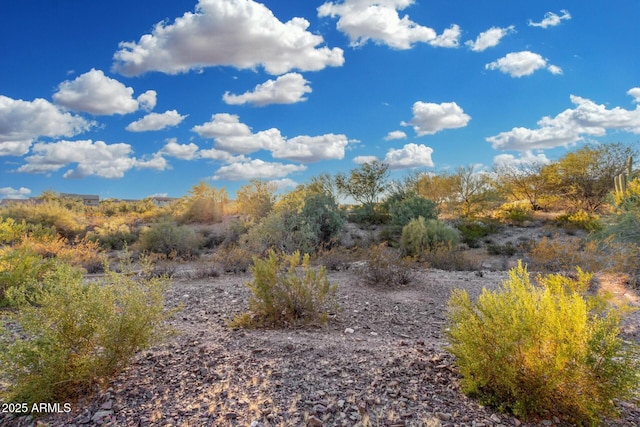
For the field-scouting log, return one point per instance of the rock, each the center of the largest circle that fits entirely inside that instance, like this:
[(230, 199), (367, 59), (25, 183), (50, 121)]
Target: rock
[(100, 415), (107, 405), (314, 421), (349, 331), (443, 416)]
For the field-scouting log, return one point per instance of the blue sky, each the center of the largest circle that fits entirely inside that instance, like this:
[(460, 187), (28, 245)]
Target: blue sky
[(131, 99)]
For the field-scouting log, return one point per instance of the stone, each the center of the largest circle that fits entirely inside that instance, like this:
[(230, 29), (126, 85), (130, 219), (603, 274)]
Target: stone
[(100, 415), (349, 331), (314, 421)]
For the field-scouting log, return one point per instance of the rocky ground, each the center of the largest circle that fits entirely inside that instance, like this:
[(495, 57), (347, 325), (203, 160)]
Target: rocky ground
[(381, 361)]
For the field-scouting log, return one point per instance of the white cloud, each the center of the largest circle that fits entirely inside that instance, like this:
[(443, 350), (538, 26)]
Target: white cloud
[(396, 134), (364, 159), (525, 63), (551, 19), (284, 183), (527, 158), (489, 38), (92, 158), (95, 93), (14, 193), (311, 148), (635, 92), (156, 121), (221, 156), (232, 136), (235, 137), (239, 33), (255, 169), (570, 126), (429, 118), (21, 122), (287, 89), (409, 156), (180, 151), (379, 21)]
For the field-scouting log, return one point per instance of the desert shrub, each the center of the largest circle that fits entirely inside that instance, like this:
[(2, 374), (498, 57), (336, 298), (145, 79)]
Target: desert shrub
[(321, 214), (420, 235), (282, 231), (113, 235), (563, 254), (539, 350), (79, 334), (287, 291), (402, 211), (385, 267), (337, 258), (67, 222), (233, 259), (506, 249), (167, 237), (579, 220), (24, 273), (445, 257), (622, 227), (473, 231), (514, 212)]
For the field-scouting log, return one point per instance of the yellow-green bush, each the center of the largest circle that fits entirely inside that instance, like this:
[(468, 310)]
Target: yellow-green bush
[(580, 220), (421, 235), (79, 334), (167, 237), (287, 291), (514, 212), (67, 222), (534, 350)]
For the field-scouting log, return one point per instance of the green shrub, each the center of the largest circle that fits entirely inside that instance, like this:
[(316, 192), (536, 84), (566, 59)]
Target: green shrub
[(473, 231), (579, 220), (514, 212), (420, 235), (538, 350), (167, 237), (414, 206), (507, 249), (287, 291), (24, 273), (385, 267), (113, 236), (79, 334)]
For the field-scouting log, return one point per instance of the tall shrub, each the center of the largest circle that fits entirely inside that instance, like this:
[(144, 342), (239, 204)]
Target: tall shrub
[(541, 349)]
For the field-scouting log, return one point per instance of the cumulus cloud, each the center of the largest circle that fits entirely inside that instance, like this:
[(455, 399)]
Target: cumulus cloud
[(180, 151), (396, 134), (364, 159), (635, 92), (409, 156), (256, 169), (239, 33), (489, 38), (156, 121), (551, 19), (525, 63), (91, 158), (570, 126), (235, 137), (14, 193), (526, 158), (95, 93), (429, 118), (380, 22), (287, 89), (22, 122), (308, 149)]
